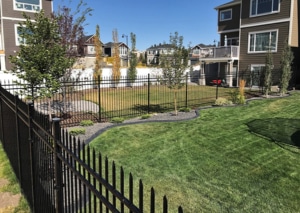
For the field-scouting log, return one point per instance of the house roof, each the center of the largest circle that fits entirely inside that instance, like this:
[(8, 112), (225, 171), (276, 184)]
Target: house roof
[(231, 3), (88, 37), (111, 44), (203, 46)]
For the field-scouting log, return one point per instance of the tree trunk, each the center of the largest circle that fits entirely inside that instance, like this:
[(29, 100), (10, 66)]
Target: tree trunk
[(49, 109), (175, 101)]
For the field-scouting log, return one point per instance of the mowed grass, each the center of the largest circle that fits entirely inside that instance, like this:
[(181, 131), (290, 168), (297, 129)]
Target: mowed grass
[(213, 163), (13, 187), (132, 100)]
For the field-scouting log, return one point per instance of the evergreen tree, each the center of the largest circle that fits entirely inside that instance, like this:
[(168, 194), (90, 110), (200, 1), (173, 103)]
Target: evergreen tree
[(285, 67), (116, 73), (133, 60), (174, 64), (41, 60)]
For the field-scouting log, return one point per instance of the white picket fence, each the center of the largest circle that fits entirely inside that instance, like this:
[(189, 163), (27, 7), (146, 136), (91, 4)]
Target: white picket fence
[(7, 80)]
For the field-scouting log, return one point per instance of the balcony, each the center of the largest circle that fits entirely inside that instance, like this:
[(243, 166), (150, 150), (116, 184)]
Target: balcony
[(218, 54)]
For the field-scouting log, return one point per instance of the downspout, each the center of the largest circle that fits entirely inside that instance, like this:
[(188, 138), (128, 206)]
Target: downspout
[(2, 46)]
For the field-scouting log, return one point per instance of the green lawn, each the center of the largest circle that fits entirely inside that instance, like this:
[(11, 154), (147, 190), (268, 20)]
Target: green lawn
[(13, 187), (219, 162)]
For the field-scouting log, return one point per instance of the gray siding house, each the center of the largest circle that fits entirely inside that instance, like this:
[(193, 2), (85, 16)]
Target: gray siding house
[(248, 29), (153, 53), (10, 15)]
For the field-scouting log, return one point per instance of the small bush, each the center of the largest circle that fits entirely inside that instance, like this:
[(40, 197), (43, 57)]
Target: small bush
[(77, 131), (185, 109), (222, 102), (241, 99), (117, 120), (146, 116), (234, 94), (86, 123)]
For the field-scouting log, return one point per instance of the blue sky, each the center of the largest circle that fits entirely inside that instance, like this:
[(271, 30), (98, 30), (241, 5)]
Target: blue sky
[(152, 21)]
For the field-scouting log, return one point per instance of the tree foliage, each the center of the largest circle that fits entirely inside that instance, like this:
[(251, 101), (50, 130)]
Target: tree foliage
[(285, 67), (268, 73), (98, 49), (174, 64), (116, 73), (133, 59), (41, 60), (71, 26)]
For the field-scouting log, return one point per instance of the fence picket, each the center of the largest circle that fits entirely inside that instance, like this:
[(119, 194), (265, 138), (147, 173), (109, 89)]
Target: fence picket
[(64, 174)]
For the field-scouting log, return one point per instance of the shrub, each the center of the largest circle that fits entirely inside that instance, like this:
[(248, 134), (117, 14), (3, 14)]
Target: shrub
[(77, 131), (234, 93), (117, 120), (241, 99), (86, 123), (184, 109), (145, 116), (222, 102)]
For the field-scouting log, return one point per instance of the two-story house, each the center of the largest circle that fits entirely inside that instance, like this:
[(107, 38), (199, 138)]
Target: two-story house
[(123, 52), (89, 46), (200, 51), (248, 30), (153, 53), (10, 17)]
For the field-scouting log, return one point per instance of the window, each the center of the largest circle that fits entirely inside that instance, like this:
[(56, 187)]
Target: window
[(19, 39), (256, 74), (226, 15), (27, 5), (262, 41), (196, 51), (18, 31), (259, 7), (233, 41)]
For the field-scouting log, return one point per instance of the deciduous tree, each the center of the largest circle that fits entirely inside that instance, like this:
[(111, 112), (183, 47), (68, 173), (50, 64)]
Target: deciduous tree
[(98, 50), (268, 73), (174, 64), (285, 67), (71, 29), (116, 73), (133, 59), (41, 60)]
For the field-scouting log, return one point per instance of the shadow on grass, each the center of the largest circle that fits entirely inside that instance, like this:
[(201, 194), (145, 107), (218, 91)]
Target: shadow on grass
[(152, 108), (280, 130)]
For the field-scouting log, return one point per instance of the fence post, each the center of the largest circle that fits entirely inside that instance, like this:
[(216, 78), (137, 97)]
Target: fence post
[(186, 90), (148, 93), (18, 140), (57, 166), (99, 98), (30, 113), (1, 118)]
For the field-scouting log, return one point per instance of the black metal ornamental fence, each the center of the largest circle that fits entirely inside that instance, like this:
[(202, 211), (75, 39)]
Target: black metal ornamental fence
[(102, 99), (57, 173), (106, 98)]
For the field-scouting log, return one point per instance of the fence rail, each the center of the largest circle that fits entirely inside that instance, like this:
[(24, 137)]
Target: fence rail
[(101, 100), (57, 173)]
